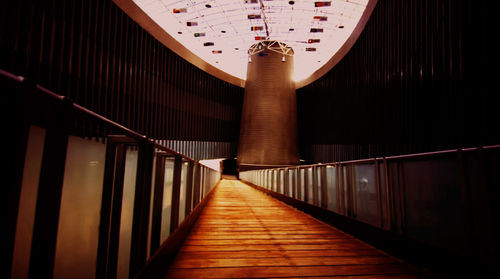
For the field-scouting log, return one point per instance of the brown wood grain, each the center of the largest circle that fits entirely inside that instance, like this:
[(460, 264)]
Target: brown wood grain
[(243, 233)]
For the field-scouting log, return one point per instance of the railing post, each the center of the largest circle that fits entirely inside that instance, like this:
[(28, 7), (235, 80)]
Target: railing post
[(378, 193), (196, 184), (189, 188), (142, 201), (306, 185), (324, 188), (16, 153), (298, 178), (286, 180), (48, 204), (157, 203), (111, 207), (315, 187), (278, 180)]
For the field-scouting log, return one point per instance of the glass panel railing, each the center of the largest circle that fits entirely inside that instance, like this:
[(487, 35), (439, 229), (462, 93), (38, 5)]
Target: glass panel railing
[(182, 198), (77, 196), (310, 187), (433, 203), (319, 183), (166, 212), (384, 197), (27, 202), (281, 184), (127, 213), (439, 198), (365, 193), (302, 182), (151, 206), (80, 209), (331, 181)]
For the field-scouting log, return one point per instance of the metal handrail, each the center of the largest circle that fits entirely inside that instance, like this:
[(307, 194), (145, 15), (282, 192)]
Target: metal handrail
[(88, 112), (388, 158)]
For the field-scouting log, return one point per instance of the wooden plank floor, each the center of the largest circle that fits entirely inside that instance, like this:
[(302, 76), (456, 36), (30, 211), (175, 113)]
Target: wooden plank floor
[(243, 233)]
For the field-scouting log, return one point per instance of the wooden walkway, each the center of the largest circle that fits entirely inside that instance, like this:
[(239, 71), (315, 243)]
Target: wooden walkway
[(243, 233)]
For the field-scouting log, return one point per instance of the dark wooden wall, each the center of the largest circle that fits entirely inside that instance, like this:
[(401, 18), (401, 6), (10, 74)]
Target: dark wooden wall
[(418, 79), (95, 54)]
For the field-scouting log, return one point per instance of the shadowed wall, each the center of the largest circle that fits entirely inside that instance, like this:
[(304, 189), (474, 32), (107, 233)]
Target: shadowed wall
[(93, 53), (418, 79)]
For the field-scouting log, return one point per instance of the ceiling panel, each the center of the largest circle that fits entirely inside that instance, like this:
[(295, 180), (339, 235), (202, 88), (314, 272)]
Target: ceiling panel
[(221, 31)]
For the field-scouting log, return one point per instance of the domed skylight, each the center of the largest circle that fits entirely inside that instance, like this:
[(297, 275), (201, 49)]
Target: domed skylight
[(220, 32)]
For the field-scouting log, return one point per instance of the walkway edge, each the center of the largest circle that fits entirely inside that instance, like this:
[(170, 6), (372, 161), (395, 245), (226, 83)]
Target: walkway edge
[(157, 265), (420, 254)]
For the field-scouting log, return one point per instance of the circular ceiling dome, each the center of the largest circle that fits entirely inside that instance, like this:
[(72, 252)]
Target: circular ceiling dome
[(215, 35)]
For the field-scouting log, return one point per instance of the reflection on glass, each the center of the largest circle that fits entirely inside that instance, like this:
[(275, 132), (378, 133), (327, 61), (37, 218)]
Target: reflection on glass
[(365, 193), (331, 180), (167, 199), (27, 202), (433, 203), (78, 231), (127, 213)]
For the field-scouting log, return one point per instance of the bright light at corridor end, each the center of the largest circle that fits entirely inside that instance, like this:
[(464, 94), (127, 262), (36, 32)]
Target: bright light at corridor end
[(220, 32)]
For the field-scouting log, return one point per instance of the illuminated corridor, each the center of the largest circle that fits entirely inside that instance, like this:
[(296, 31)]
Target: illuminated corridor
[(244, 233)]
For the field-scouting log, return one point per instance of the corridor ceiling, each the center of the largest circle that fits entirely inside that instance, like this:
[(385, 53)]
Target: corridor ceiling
[(220, 32)]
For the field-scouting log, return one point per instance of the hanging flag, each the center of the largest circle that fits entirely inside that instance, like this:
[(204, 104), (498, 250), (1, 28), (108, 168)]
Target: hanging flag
[(320, 18), (316, 30), (253, 16), (181, 10), (323, 4)]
